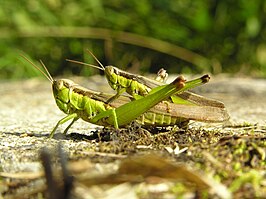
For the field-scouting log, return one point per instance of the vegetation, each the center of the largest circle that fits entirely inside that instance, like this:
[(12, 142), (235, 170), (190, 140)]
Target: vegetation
[(182, 36)]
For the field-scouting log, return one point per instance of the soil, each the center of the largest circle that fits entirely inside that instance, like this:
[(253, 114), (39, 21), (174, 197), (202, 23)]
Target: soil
[(217, 160)]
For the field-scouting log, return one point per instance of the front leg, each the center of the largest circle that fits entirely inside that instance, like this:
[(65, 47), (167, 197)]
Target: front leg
[(119, 91), (73, 116), (68, 127)]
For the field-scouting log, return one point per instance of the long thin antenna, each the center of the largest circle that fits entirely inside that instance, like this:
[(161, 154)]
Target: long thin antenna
[(95, 58), (49, 77), (45, 68), (78, 62)]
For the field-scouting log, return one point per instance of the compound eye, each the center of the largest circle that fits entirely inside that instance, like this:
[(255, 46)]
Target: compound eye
[(59, 84), (110, 69)]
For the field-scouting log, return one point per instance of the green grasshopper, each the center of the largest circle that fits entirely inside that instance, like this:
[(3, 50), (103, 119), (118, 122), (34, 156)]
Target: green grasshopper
[(79, 102), (138, 86)]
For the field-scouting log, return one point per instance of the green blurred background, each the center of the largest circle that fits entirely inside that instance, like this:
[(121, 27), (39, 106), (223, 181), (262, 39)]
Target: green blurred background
[(183, 36)]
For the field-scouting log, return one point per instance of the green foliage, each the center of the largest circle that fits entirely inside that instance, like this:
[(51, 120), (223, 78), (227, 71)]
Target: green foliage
[(227, 36)]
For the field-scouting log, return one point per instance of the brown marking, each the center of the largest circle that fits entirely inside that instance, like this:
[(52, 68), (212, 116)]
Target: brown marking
[(179, 82)]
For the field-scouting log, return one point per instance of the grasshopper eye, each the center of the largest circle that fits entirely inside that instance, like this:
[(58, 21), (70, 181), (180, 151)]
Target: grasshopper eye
[(110, 70), (59, 84)]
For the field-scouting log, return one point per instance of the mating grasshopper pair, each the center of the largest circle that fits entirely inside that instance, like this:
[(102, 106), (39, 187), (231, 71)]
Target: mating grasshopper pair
[(118, 111)]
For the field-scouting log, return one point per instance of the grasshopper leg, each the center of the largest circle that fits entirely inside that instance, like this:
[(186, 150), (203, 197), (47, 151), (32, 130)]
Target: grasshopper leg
[(118, 93), (74, 120), (115, 118), (62, 121)]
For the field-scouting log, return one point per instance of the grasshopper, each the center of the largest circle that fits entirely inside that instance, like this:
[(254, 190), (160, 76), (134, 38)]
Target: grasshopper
[(79, 102), (138, 86), (194, 106)]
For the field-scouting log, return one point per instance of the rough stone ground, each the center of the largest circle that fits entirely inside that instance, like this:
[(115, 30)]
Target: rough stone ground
[(28, 113)]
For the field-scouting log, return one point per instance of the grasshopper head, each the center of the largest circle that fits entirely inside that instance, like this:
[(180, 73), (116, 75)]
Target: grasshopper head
[(61, 90), (111, 75)]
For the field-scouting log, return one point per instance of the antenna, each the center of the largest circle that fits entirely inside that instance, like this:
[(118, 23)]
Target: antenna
[(96, 59), (45, 68), (78, 62), (48, 75)]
